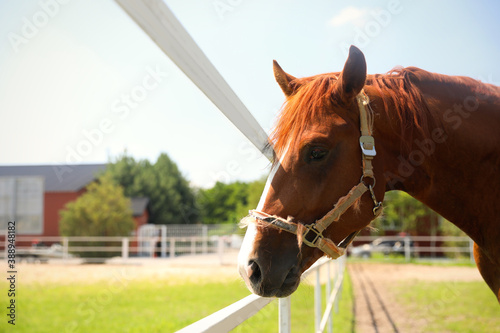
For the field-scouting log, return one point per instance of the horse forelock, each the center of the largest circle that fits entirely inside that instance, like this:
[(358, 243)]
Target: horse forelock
[(313, 99)]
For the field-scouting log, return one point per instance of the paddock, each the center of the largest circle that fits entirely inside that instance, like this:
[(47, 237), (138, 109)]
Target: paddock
[(377, 304)]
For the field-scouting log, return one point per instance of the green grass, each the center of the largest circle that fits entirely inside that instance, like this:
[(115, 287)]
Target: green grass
[(168, 305), (148, 306), (451, 306)]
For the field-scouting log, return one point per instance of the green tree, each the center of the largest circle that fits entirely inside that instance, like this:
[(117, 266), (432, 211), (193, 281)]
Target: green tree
[(228, 203), (254, 192), (220, 203), (171, 200), (449, 229), (401, 212), (102, 210)]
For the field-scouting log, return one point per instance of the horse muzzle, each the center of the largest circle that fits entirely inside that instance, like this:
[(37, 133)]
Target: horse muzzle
[(270, 268), (263, 280)]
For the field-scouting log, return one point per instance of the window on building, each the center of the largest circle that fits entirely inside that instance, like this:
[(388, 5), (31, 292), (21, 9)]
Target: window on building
[(21, 200)]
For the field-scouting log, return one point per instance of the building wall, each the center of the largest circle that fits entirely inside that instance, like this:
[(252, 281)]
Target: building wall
[(141, 220), (54, 202)]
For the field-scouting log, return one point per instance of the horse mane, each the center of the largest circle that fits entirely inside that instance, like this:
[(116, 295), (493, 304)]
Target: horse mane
[(398, 89), (402, 88)]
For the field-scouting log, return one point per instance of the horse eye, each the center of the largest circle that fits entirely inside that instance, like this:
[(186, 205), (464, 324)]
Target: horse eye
[(317, 154)]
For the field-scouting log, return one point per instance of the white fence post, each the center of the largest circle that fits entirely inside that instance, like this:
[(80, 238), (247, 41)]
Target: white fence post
[(407, 249), (471, 251), (172, 248), (341, 262), (125, 244), (163, 241), (65, 247), (285, 315), (327, 294), (317, 301), (204, 242)]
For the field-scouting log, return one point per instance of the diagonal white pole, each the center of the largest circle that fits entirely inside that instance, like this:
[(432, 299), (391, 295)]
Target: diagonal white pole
[(156, 19)]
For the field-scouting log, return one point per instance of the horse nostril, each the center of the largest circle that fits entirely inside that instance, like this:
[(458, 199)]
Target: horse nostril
[(253, 271)]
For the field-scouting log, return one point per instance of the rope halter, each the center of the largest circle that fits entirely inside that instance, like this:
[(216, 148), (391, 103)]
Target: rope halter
[(312, 234)]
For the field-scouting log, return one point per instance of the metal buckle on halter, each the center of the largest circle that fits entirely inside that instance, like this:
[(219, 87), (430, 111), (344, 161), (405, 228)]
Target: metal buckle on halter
[(367, 143), (318, 235), (377, 205)]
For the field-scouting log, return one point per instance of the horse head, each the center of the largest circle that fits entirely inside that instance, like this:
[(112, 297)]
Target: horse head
[(318, 164)]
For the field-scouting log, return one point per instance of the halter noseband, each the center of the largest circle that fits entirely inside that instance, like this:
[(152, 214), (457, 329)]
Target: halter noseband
[(312, 234)]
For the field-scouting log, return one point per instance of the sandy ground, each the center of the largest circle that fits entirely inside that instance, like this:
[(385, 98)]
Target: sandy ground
[(217, 267)]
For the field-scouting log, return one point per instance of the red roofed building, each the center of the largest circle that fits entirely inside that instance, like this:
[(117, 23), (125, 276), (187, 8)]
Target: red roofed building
[(33, 195)]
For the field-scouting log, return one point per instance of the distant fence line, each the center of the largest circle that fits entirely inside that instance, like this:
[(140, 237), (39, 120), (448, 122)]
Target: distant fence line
[(162, 242), (192, 241), (420, 246), (123, 247), (190, 230)]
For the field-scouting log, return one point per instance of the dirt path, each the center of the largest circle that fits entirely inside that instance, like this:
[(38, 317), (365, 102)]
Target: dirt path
[(375, 307)]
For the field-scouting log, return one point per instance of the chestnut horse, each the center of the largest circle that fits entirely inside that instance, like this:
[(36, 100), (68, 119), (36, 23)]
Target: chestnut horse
[(343, 139)]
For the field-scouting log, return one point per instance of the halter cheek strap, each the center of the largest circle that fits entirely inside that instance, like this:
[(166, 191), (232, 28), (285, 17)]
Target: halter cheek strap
[(312, 234)]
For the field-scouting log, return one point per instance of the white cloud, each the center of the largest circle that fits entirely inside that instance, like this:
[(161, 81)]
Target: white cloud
[(350, 14)]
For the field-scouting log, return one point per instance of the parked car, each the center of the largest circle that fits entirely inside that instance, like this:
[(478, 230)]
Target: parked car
[(40, 253), (385, 245)]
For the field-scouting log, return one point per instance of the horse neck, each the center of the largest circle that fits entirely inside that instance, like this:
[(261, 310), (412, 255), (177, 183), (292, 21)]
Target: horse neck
[(452, 167)]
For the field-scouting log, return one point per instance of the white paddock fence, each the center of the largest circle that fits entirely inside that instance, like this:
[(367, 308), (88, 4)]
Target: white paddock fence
[(235, 314), (415, 247), (101, 249), (193, 240)]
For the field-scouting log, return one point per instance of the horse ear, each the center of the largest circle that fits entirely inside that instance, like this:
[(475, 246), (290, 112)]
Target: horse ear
[(353, 76), (283, 79)]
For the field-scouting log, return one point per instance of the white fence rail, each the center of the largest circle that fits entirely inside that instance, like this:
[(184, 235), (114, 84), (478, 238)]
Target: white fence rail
[(235, 314), (448, 247), (100, 249)]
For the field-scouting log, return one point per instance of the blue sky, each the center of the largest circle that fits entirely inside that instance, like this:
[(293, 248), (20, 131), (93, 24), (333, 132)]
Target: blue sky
[(68, 69)]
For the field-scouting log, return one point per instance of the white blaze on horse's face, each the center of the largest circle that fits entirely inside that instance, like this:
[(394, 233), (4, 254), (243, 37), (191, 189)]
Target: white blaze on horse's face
[(245, 250), (247, 247)]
